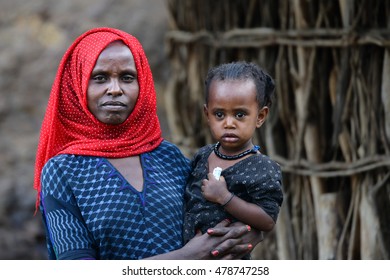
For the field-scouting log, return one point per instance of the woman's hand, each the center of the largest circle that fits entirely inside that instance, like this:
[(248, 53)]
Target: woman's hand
[(221, 242), (225, 241), (243, 244)]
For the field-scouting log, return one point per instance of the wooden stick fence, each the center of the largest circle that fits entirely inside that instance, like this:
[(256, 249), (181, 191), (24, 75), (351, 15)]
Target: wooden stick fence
[(329, 127)]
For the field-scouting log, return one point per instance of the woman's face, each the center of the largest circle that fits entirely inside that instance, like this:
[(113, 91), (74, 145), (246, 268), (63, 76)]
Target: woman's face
[(113, 86)]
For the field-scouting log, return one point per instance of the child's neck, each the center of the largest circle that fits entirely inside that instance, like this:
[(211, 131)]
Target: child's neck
[(215, 161), (244, 153)]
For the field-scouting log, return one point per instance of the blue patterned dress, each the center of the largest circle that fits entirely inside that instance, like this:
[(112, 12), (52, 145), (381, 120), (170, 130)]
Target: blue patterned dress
[(91, 212)]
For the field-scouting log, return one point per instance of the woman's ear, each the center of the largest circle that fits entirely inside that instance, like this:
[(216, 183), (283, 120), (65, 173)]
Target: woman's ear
[(262, 116)]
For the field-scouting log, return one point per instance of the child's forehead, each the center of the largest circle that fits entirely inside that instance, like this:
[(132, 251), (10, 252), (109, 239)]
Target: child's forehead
[(243, 80), (233, 85), (232, 90)]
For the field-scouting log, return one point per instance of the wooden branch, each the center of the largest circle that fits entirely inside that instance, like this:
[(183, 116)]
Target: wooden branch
[(373, 190), (354, 233), (263, 37), (341, 46), (333, 168)]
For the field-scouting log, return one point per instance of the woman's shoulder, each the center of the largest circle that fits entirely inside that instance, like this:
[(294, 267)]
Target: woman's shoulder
[(170, 156), (168, 151), (167, 147), (165, 144), (60, 159), (68, 160)]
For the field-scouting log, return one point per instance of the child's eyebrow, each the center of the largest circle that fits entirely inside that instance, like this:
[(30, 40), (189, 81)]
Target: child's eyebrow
[(243, 108)]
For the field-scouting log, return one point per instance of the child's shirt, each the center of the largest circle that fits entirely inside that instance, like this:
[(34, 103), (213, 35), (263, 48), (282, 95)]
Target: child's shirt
[(256, 179)]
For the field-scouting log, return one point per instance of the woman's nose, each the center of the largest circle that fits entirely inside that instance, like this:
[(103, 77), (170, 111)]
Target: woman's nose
[(114, 88)]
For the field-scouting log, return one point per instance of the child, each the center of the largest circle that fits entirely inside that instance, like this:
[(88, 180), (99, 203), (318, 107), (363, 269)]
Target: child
[(238, 97)]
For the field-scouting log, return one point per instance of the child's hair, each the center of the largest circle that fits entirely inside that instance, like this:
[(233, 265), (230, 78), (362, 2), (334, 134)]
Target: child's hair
[(241, 70)]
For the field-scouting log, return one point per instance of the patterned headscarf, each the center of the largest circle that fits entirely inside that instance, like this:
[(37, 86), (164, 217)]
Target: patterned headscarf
[(70, 128)]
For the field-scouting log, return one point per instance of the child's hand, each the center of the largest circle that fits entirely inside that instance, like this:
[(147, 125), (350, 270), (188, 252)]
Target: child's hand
[(215, 190)]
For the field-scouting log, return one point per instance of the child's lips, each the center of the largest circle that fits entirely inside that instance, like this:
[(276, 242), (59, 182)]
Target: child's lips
[(229, 137)]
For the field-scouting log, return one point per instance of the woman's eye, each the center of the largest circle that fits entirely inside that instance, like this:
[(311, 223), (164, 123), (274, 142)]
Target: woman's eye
[(128, 78), (99, 78)]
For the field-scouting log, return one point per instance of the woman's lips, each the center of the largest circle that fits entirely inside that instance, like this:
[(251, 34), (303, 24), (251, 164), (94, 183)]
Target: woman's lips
[(115, 105)]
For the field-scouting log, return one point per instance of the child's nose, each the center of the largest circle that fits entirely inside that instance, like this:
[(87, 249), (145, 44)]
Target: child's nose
[(229, 122)]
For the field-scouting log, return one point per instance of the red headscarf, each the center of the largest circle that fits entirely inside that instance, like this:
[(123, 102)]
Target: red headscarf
[(70, 128)]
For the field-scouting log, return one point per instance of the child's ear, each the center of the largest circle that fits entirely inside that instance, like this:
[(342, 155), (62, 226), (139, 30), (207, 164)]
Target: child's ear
[(262, 116), (206, 111)]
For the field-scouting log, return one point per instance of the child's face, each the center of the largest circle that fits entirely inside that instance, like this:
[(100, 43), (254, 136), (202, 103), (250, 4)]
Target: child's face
[(233, 114)]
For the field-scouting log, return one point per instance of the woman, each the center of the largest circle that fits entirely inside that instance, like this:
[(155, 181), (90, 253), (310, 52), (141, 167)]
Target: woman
[(109, 186)]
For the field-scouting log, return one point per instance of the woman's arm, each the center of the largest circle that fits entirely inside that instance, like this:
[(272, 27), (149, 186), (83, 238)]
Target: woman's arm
[(222, 242)]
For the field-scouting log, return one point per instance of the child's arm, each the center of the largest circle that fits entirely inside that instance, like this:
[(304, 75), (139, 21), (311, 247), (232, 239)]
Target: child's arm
[(216, 191)]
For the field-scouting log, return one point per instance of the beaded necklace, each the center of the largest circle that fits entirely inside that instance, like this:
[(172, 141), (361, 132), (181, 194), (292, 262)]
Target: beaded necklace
[(240, 155)]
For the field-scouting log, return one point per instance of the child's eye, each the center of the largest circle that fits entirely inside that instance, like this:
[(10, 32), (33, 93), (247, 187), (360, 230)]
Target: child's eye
[(219, 115), (240, 115)]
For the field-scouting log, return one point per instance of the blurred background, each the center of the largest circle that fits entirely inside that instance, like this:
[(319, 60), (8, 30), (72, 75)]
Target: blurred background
[(329, 126), (33, 37)]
